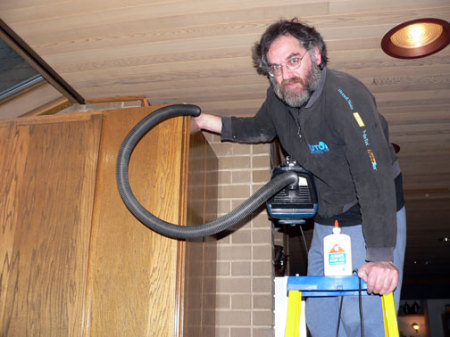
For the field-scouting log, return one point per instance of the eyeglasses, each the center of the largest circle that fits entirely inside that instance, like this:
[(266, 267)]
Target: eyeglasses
[(292, 64)]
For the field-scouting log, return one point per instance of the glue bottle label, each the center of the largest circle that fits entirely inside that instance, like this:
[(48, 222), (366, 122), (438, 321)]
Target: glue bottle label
[(337, 256)]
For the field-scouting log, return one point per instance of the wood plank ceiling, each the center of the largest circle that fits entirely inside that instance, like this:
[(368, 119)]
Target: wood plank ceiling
[(198, 51)]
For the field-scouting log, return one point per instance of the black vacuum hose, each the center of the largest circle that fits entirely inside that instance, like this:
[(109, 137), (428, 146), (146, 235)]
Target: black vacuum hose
[(185, 232)]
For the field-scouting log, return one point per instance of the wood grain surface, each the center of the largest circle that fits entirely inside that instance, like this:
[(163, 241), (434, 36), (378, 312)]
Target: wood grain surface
[(75, 261)]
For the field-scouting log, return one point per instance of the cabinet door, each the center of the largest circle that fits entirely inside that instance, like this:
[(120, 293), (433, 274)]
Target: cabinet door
[(134, 274), (47, 172)]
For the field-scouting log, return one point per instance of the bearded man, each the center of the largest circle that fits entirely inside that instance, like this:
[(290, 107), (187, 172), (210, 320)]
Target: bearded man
[(328, 122)]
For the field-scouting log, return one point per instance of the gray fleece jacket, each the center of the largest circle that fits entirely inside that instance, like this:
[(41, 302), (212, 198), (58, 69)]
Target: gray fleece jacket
[(339, 137)]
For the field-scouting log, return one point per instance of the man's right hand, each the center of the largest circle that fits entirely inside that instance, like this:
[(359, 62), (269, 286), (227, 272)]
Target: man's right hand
[(381, 277), (209, 122)]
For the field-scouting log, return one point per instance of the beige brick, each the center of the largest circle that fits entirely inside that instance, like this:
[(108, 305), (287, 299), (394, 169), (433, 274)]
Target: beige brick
[(261, 220), (215, 137), (262, 268), (243, 235), (261, 176), (226, 285), (241, 301), (222, 149), (210, 137), (262, 317), (217, 149), (224, 177), (223, 301), (240, 149), (233, 318), (241, 268), (263, 301), (241, 176), (263, 285), (262, 235), (234, 163), (262, 332), (222, 331), (233, 252), (262, 252), (223, 269), (260, 161), (241, 332), (223, 207), (234, 191), (261, 148)]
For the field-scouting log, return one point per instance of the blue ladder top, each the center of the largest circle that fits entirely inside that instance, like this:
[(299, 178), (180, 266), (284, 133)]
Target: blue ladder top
[(321, 286)]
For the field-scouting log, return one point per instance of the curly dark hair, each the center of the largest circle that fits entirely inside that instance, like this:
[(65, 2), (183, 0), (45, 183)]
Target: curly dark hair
[(308, 37)]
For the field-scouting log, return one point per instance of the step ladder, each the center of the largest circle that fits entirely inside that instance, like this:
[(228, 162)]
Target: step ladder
[(317, 286)]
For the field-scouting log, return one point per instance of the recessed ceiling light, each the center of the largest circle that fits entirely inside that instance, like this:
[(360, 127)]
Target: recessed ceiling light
[(416, 38)]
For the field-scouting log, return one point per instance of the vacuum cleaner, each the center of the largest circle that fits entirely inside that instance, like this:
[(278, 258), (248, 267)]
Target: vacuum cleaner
[(296, 202), (290, 195)]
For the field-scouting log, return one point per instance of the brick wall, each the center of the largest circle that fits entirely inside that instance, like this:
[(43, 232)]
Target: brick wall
[(244, 257)]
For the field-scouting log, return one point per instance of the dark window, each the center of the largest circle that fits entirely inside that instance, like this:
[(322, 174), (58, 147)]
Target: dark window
[(15, 73)]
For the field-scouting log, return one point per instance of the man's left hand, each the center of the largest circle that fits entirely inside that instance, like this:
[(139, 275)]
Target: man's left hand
[(381, 277)]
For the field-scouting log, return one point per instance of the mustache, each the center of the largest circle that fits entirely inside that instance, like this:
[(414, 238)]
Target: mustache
[(293, 80)]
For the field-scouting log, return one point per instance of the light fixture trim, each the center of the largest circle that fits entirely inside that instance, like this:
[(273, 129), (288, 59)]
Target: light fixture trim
[(397, 42)]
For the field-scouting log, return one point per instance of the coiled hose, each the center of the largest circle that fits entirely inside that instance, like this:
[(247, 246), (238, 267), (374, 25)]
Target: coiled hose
[(168, 229)]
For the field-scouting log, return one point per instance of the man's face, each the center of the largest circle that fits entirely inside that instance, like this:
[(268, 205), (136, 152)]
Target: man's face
[(294, 86)]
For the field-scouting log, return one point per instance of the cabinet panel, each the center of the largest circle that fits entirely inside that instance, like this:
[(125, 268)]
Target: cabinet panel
[(133, 270), (47, 192)]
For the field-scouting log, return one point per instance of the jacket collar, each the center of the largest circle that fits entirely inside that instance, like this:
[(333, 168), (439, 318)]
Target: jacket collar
[(316, 94)]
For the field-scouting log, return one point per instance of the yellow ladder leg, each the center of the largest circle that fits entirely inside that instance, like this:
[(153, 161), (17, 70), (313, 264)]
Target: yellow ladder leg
[(389, 316), (293, 314)]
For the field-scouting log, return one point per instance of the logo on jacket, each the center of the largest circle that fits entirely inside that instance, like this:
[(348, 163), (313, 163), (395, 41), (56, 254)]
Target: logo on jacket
[(319, 148), (349, 101), (359, 120), (372, 159)]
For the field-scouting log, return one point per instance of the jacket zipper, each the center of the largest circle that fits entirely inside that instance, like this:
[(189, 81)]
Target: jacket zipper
[(296, 115)]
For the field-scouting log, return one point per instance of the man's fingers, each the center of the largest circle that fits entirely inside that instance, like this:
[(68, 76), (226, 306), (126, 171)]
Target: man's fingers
[(393, 284), (362, 273)]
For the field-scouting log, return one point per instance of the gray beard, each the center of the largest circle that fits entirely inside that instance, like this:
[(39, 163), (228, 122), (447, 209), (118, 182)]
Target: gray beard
[(293, 98)]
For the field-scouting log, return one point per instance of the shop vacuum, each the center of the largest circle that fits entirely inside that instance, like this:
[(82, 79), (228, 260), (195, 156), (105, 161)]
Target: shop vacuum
[(290, 195)]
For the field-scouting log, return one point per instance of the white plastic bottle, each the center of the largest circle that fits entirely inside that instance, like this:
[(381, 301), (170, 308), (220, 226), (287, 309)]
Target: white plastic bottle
[(337, 253)]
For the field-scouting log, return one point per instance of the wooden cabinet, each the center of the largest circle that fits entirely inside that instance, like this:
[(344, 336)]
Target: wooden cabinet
[(74, 260)]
